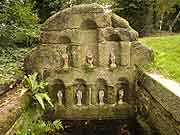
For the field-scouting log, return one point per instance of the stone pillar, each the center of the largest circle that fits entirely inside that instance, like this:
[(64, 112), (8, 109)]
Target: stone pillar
[(76, 55), (103, 55), (94, 96), (125, 53), (111, 95), (69, 96)]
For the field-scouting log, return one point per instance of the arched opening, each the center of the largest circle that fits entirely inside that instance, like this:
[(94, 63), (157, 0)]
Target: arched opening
[(102, 90), (64, 40), (80, 92), (89, 40), (57, 91), (88, 24), (113, 37), (122, 87)]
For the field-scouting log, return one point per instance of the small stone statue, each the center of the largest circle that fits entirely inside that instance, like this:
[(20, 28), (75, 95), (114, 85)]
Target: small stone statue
[(79, 97), (60, 96), (66, 60), (101, 97), (120, 96), (112, 59), (89, 59)]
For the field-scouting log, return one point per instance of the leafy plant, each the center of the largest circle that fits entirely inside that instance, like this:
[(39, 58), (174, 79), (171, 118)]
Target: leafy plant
[(17, 17), (36, 87), (39, 127), (11, 61)]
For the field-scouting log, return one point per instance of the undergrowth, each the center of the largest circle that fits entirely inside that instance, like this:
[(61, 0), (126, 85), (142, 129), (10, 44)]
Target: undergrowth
[(11, 63)]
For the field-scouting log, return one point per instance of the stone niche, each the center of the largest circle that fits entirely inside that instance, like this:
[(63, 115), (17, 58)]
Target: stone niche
[(89, 57)]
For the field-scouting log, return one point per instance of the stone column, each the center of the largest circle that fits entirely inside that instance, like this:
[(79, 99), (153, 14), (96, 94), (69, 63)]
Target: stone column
[(69, 96)]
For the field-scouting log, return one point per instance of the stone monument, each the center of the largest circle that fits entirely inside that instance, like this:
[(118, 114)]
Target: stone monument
[(88, 35)]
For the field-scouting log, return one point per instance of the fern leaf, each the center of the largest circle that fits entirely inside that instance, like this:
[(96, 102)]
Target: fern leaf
[(48, 99), (39, 98)]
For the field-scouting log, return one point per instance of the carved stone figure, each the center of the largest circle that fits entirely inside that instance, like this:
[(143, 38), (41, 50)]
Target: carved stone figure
[(101, 97), (66, 61), (79, 97), (120, 96), (112, 59), (89, 59), (60, 97)]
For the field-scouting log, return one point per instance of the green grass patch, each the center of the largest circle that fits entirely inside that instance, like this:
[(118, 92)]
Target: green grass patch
[(167, 55)]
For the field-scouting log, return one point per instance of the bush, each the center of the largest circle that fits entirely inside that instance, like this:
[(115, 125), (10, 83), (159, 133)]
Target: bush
[(16, 17)]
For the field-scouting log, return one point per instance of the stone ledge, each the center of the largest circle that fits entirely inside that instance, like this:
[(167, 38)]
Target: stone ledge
[(168, 100), (92, 112)]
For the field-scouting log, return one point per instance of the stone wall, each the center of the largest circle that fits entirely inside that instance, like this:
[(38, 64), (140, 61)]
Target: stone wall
[(158, 105)]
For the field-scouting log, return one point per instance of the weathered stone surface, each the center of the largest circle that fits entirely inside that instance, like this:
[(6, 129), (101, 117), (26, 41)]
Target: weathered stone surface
[(45, 59), (75, 17), (120, 34), (125, 53), (60, 37), (123, 112), (140, 54), (119, 22), (88, 8), (160, 106)]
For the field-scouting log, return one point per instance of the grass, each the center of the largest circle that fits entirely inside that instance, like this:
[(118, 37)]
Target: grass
[(167, 55)]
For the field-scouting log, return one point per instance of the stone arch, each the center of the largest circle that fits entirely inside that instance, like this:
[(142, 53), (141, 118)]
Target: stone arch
[(122, 84), (81, 85), (89, 40), (56, 86), (64, 40), (113, 37), (101, 84), (66, 48), (88, 24)]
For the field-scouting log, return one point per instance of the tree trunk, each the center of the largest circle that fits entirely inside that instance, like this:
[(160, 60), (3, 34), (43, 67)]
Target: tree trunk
[(174, 22), (161, 22)]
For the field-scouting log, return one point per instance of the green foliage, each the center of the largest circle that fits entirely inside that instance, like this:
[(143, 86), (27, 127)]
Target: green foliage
[(144, 125), (147, 15), (36, 87), (11, 61), (39, 127), (139, 13), (16, 17), (46, 8), (167, 55)]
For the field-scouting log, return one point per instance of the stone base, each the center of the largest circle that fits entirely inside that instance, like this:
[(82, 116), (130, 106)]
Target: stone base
[(95, 112)]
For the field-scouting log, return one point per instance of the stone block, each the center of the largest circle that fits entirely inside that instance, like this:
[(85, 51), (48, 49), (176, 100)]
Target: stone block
[(67, 20), (140, 54), (104, 55), (60, 37), (87, 8), (125, 53), (119, 22), (119, 34)]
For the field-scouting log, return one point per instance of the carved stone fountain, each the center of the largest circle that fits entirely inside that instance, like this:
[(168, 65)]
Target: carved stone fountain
[(90, 58)]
